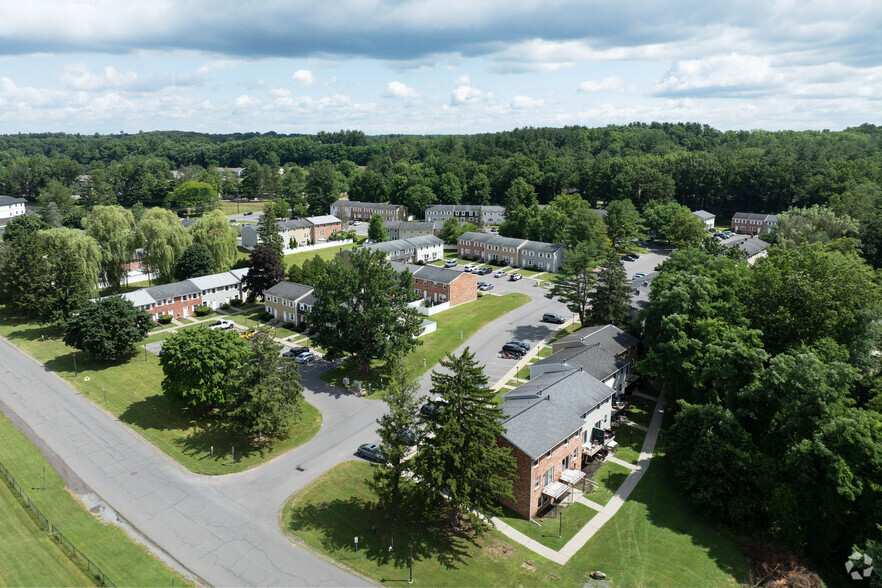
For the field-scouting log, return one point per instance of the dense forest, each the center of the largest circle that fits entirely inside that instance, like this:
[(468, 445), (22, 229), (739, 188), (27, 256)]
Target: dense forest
[(694, 164)]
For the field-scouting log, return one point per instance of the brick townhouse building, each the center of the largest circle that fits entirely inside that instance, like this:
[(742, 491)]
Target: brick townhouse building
[(322, 227), (751, 223), (354, 210), (510, 251), (179, 299), (466, 213), (441, 285)]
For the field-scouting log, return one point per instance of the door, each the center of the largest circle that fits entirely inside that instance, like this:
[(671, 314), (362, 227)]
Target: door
[(186, 311)]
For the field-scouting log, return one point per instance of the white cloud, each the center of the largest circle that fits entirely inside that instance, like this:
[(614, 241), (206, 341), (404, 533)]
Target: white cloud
[(524, 102), (78, 77), (462, 80), (464, 95), (604, 85), (304, 77), (399, 90), (731, 74), (246, 101), (219, 64)]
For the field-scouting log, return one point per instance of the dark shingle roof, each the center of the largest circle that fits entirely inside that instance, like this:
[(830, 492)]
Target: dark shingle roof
[(704, 215), (576, 391), (610, 337), (172, 290), (594, 360), (7, 200), (542, 247), (289, 290), (537, 426), (374, 205), (750, 245), (754, 216)]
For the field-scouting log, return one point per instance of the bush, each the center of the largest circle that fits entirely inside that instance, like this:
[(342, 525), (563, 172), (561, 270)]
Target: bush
[(300, 328), (164, 319), (225, 306), (236, 302), (290, 326), (202, 310), (265, 316)]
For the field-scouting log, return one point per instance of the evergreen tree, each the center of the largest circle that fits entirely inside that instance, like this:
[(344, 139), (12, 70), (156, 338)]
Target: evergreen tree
[(611, 298), (266, 392), (376, 231), (195, 261), (575, 280), (25, 224), (268, 230), (52, 215), (460, 466), (398, 433), (322, 187), (264, 271), (623, 222), (25, 282)]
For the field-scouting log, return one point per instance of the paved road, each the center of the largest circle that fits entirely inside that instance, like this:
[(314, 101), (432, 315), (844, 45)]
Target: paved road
[(216, 537)]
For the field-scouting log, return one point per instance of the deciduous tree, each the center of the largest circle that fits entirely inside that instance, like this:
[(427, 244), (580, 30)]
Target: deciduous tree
[(264, 271), (376, 231), (164, 240), (623, 222), (322, 187), (193, 195), (113, 229), (73, 268), (195, 261), (108, 328), (215, 232)]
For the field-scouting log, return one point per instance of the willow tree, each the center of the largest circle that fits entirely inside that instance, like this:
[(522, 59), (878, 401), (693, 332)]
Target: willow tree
[(113, 229), (164, 239), (215, 232)]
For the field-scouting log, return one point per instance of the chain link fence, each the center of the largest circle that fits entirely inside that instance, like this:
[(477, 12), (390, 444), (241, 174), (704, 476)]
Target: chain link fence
[(77, 556)]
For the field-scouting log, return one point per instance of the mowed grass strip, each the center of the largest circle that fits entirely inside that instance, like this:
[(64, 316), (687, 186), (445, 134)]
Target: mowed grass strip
[(575, 516), (652, 541), (327, 254), (26, 560), (630, 442), (133, 393), (608, 479), (641, 410), (467, 318)]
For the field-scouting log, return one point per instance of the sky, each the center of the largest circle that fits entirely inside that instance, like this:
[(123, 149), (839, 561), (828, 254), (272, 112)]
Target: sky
[(436, 66)]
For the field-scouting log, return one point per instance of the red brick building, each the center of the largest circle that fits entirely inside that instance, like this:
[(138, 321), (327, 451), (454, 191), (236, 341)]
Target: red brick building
[(179, 299), (353, 210), (753, 224), (323, 227), (442, 285)]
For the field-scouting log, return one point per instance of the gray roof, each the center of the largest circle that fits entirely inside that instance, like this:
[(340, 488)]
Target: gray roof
[(289, 290), (374, 205), (139, 297), (240, 272), (704, 215), (216, 280), (8, 200), (413, 225), (504, 241), (594, 360), (475, 236), (295, 223), (424, 241), (325, 219), (536, 426), (610, 337), (576, 391), (465, 208), (309, 299), (391, 246), (750, 245), (172, 290), (434, 273), (754, 216), (188, 222), (542, 247)]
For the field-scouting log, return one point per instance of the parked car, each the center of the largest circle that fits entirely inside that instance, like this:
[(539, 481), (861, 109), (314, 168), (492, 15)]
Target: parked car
[(514, 350), (223, 324), (514, 277), (639, 275), (521, 344), (629, 257), (468, 268), (433, 408), (295, 351), (483, 271), (357, 223), (500, 273), (306, 357), (370, 451), (451, 263), (550, 317), (249, 333), (485, 287), (248, 213)]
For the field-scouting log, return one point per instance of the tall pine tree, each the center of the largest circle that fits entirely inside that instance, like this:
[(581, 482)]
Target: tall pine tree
[(268, 230), (611, 298), (461, 467)]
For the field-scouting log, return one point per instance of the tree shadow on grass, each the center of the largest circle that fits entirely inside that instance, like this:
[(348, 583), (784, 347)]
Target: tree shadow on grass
[(214, 439), (339, 521)]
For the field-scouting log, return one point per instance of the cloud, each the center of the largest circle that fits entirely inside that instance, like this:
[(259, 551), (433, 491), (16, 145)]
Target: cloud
[(462, 80), (246, 101), (78, 77), (728, 75), (464, 95), (304, 77), (604, 85), (399, 90), (219, 64), (524, 102)]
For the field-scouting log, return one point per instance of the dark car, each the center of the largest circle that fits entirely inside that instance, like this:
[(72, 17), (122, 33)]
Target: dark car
[(295, 351), (370, 451), (249, 213), (515, 350), (550, 317), (433, 408), (521, 344), (514, 277), (483, 271)]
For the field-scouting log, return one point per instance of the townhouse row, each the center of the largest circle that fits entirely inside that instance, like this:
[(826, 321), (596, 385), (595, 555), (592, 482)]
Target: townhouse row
[(561, 416), (180, 299), (465, 213), (510, 251), (313, 230)]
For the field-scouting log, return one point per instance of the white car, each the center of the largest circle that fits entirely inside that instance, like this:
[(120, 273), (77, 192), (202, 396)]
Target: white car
[(451, 263), (500, 273), (306, 357), (223, 324), (468, 268)]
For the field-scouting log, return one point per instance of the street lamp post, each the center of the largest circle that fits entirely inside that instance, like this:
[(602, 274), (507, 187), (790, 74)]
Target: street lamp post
[(76, 373), (410, 544), (560, 523)]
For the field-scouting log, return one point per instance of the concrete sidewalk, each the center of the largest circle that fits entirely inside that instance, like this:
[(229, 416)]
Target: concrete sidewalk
[(605, 513)]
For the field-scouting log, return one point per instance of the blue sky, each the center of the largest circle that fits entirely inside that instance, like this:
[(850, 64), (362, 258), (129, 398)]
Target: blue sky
[(429, 66)]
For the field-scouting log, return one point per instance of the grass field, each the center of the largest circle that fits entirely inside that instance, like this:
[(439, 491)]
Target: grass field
[(608, 478), (641, 410), (327, 253), (134, 396), (575, 516), (29, 558), (654, 540), (630, 442), (467, 318), (232, 208)]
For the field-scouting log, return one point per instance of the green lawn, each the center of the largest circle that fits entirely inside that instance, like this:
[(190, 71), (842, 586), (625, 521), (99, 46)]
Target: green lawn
[(29, 558), (526, 273), (467, 318), (234, 208), (630, 442), (653, 540), (524, 373), (575, 516), (566, 331), (641, 410), (609, 477), (327, 254), (134, 396), (544, 352)]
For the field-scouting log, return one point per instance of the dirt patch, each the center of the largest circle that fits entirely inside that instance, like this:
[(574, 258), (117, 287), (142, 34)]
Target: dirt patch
[(529, 565), (503, 550), (74, 483)]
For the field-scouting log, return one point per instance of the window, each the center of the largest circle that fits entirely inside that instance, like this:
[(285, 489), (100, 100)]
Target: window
[(549, 476), (536, 484), (535, 462)]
